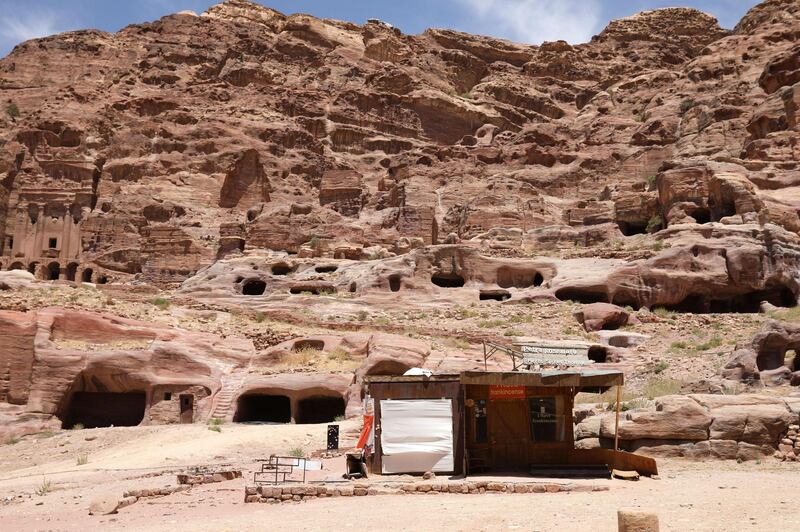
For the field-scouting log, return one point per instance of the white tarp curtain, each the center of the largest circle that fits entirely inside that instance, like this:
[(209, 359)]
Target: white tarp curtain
[(417, 435)]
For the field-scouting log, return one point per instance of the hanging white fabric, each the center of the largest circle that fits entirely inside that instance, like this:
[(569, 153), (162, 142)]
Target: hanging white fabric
[(416, 435)]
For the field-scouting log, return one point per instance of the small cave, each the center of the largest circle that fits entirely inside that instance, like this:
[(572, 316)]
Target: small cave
[(281, 269), (494, 295), (319, 409), (581, 295), (32, 267), (102, 279), (254, 287), (598, 353), (263, 409), (388, 367), (632, 228), (104, 409), (300, 345), (86, 275), (352, 288), (508, 277), (447, 280), (326, 269), (747, 303), (313, 290), (700, 215), (17, 266), (394, 283)]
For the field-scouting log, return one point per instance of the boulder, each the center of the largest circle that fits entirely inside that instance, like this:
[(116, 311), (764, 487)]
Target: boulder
[(754, 424), (676, 418), (597, 316), (105, 504)]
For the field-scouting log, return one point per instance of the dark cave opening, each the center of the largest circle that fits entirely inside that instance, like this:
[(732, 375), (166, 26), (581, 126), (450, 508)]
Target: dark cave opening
[(494, 295), (263, 408), (447, 280), (104, 409), (394, 283), (508, 277), (580, 295), (254, 287), (319, 409)]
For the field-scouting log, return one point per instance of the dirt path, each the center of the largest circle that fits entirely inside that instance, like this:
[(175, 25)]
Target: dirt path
[(710, 496)]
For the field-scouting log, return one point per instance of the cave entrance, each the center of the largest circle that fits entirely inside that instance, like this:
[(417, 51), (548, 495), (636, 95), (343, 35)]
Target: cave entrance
[(447, 280), (263, 409), (701, 215), (17, 266), (518, 277), (326, 269), (394, 283), (598, 353), (319, 409), (254, 287), (86, 276), (53, 271), (72, 269), (494, 295), (632, 228), (104, 409), (281, 269), (747, 303), (581, 295)]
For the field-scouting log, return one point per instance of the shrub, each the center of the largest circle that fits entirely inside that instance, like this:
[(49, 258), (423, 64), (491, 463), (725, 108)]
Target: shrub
[(660, 367), (661, 312), (339, 355), (44, 488), (82, 459), (12, 110), (716, 341), (215, 422), (460, 343), (651, 181), (297, 452), (215, 428), (339, 418), (654, 224), (657, 387), (161, 303), (12, 440), (259, 317), (686, 104), (77, 426)]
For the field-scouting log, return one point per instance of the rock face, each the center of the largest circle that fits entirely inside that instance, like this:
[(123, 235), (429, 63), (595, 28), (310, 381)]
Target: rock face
[(766, 359), (150, 153), (699, 426), (63, 367)]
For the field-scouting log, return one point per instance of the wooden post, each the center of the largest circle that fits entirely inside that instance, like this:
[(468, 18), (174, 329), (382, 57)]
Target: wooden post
[(616, 422)]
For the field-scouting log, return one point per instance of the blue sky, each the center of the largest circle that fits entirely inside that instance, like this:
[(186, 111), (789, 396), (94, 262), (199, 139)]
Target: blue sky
[(531, 21)]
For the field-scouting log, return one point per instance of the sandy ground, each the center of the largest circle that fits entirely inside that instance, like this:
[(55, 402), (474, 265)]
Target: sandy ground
[(689, 496)]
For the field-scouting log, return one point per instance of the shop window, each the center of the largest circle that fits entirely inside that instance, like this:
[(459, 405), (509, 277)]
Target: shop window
[(544, 421)]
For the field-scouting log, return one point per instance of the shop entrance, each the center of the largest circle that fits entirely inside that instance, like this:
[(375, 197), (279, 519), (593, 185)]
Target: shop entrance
[(508, 434)]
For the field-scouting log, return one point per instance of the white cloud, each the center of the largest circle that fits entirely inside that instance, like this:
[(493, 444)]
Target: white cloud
[(535, 21), (18, 28)]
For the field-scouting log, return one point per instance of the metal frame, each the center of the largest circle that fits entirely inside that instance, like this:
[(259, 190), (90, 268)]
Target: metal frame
[(279, 466), (490, 348)]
